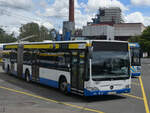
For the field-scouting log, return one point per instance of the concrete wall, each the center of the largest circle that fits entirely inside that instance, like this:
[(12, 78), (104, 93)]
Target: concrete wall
[(110, 33), (99, 30), (121, 31), (128, 29), (68, 26)]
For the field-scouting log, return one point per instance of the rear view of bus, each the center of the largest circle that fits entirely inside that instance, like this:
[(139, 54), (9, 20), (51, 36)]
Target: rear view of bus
[(110, 69), (135, 59)]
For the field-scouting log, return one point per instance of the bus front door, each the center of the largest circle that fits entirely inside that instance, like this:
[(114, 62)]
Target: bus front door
[(77, 72), (35, 67)]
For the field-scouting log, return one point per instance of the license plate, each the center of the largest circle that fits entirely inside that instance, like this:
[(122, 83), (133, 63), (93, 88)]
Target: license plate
[(110, 93)]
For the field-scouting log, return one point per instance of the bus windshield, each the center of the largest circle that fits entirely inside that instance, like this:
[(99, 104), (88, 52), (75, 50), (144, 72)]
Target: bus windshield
[(110, 64), (135, 57)]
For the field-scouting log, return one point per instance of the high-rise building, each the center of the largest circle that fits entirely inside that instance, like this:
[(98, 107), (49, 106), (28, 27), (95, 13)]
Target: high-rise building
[(108, 15)]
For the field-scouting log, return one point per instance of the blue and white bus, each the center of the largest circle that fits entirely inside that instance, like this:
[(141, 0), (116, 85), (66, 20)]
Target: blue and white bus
[(86, 67), (135, 59)]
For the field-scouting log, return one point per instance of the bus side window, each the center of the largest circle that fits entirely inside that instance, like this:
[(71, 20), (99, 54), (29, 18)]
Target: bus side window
[(13, 56), (27, 58)]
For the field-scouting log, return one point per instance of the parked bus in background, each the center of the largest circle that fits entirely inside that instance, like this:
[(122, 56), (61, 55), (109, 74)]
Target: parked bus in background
[(84, 67), (135, 59)]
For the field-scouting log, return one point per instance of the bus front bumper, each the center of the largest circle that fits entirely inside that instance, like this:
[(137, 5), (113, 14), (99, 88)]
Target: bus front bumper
[(95, 93)]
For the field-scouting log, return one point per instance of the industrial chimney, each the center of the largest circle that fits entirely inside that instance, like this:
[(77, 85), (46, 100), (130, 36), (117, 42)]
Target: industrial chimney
[(71, 10), (69, 26)]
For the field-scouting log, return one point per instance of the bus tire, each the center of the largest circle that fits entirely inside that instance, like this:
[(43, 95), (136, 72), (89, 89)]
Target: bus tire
[(27, 76), (63, 85)]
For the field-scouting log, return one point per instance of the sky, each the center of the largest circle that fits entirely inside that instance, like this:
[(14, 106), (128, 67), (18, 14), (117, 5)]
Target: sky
[(52, 13)]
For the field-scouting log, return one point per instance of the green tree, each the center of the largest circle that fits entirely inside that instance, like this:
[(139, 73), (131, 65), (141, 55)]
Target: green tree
[(6, 38), (2, 31), (45, 33), (135, 38), (143, 40), (40, 32), (28, 30)]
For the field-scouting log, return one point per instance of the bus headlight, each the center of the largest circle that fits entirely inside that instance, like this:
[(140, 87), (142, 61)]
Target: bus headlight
[(92, 88)]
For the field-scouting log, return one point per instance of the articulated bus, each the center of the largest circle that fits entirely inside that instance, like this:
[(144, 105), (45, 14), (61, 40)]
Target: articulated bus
[(135, 59), (84, 67)]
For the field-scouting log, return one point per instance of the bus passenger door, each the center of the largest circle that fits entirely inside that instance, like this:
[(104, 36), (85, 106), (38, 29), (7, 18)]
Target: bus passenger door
[(20, 60), (35, 67), (77, 72)]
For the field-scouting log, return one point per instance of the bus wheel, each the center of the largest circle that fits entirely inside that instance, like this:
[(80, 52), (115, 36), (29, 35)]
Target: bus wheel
[(27, 76), (63, 86)]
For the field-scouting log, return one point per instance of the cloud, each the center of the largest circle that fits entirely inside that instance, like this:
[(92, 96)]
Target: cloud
[(43, 4), (48, 25), (54, 12), (17, 4), (60, 9), (137, 17), (93, 5), (81, 19), (59, 12), (141, 2), (45, 24), (14, 30), (10, 24), (12, 20)]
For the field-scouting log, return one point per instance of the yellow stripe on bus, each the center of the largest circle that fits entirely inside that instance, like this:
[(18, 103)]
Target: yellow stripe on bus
[(73, 46), (89, 44), (128, 48), (57, 46), (11, 46), (51, 46), (5, 53), (38, 46)]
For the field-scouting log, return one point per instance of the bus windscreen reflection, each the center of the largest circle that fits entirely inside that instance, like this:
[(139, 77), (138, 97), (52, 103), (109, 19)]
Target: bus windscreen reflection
[(109, 64)]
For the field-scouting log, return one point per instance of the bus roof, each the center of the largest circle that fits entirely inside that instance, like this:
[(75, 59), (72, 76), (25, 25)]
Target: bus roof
[(72, 41), (77, 44)]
